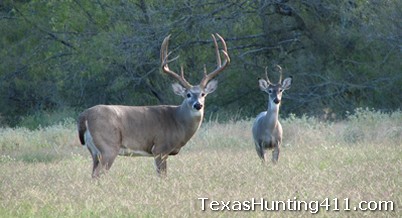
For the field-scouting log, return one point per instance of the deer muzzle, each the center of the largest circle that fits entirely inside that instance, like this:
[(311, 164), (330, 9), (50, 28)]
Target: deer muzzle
[(197, 106)]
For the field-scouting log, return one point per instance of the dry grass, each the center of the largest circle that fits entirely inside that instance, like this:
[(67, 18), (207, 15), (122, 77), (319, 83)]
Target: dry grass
[(45, 173)]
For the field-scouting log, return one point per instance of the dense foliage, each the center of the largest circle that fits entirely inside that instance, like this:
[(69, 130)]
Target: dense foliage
[(58, 54)]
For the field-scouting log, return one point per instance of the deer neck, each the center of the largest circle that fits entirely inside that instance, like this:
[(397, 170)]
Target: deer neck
[(272, 116), (189, 118)]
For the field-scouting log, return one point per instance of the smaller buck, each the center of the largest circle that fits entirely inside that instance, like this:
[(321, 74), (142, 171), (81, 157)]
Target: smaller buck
[(267, 131), (155, 131)]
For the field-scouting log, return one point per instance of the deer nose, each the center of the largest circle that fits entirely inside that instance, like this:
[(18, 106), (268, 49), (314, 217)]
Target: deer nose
[(197, 106), (276, 101)]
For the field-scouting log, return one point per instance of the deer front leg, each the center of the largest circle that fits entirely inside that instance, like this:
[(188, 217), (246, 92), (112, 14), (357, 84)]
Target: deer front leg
[(161, 154), (275, 154), (264, 154), (161, 165), (259, 149)]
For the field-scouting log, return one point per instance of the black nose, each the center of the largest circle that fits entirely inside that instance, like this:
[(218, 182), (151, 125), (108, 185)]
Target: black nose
[(197, 106), (276, 101)]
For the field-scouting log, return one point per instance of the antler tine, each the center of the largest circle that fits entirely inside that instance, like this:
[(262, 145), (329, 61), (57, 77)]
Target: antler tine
[(182, 72), (280, 73), (218, 57), (266, 74), (220, 66), (164, 64)]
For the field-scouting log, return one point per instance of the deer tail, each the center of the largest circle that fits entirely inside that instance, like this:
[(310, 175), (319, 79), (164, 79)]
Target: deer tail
[(82, 126)]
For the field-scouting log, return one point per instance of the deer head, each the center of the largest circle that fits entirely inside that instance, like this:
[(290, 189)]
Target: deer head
[(275, 90), (195, 95)]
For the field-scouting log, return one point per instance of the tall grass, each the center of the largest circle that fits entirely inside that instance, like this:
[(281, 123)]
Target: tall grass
[(46, 172)]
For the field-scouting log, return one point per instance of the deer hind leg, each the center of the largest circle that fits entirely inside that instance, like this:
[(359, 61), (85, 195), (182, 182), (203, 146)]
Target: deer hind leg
[(95, 154), (103, 151), (96, 167), (103, 161), (108, 157)]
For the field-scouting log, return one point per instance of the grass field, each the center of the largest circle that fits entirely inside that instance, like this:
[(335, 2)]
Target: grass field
[(46, 172)]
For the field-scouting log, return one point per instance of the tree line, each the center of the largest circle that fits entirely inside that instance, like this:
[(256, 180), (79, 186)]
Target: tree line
[(75, 54)]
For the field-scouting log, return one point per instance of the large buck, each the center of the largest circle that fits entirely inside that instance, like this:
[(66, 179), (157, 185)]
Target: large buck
[(267, 131), (156, 131)]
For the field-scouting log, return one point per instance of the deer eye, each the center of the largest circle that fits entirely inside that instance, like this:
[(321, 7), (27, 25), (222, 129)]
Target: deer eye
[(188, 95), (269, 91), (202, 94)]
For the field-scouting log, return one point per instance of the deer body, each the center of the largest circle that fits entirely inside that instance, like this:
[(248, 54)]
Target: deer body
[(123, 125), (157, 131), (267, 130)]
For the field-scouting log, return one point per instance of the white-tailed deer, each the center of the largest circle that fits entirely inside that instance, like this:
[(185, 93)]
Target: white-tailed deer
[(267, 131), (156, 131)]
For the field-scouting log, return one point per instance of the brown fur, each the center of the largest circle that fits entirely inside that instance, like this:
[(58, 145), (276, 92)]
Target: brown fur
[(267, 130), (158, 131), (153, 130)]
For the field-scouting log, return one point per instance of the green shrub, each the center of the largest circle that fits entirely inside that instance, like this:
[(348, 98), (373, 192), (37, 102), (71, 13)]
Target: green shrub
[(45, 118)]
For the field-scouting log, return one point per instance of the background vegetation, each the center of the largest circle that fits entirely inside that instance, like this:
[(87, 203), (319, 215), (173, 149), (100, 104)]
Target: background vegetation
[(46, 173), (68, 55)]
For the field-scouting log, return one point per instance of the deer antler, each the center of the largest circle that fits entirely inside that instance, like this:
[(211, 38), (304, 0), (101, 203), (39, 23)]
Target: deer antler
[(164, 64), (266, 75), (280, 73), (220, 67)]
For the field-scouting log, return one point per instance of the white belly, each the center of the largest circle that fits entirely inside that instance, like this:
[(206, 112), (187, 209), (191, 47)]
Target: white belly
[(131, 152)]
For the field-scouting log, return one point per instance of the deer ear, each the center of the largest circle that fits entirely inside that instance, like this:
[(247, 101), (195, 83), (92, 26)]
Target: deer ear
[(178, 89), (286, 83), (263, 84), (211, 86)]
